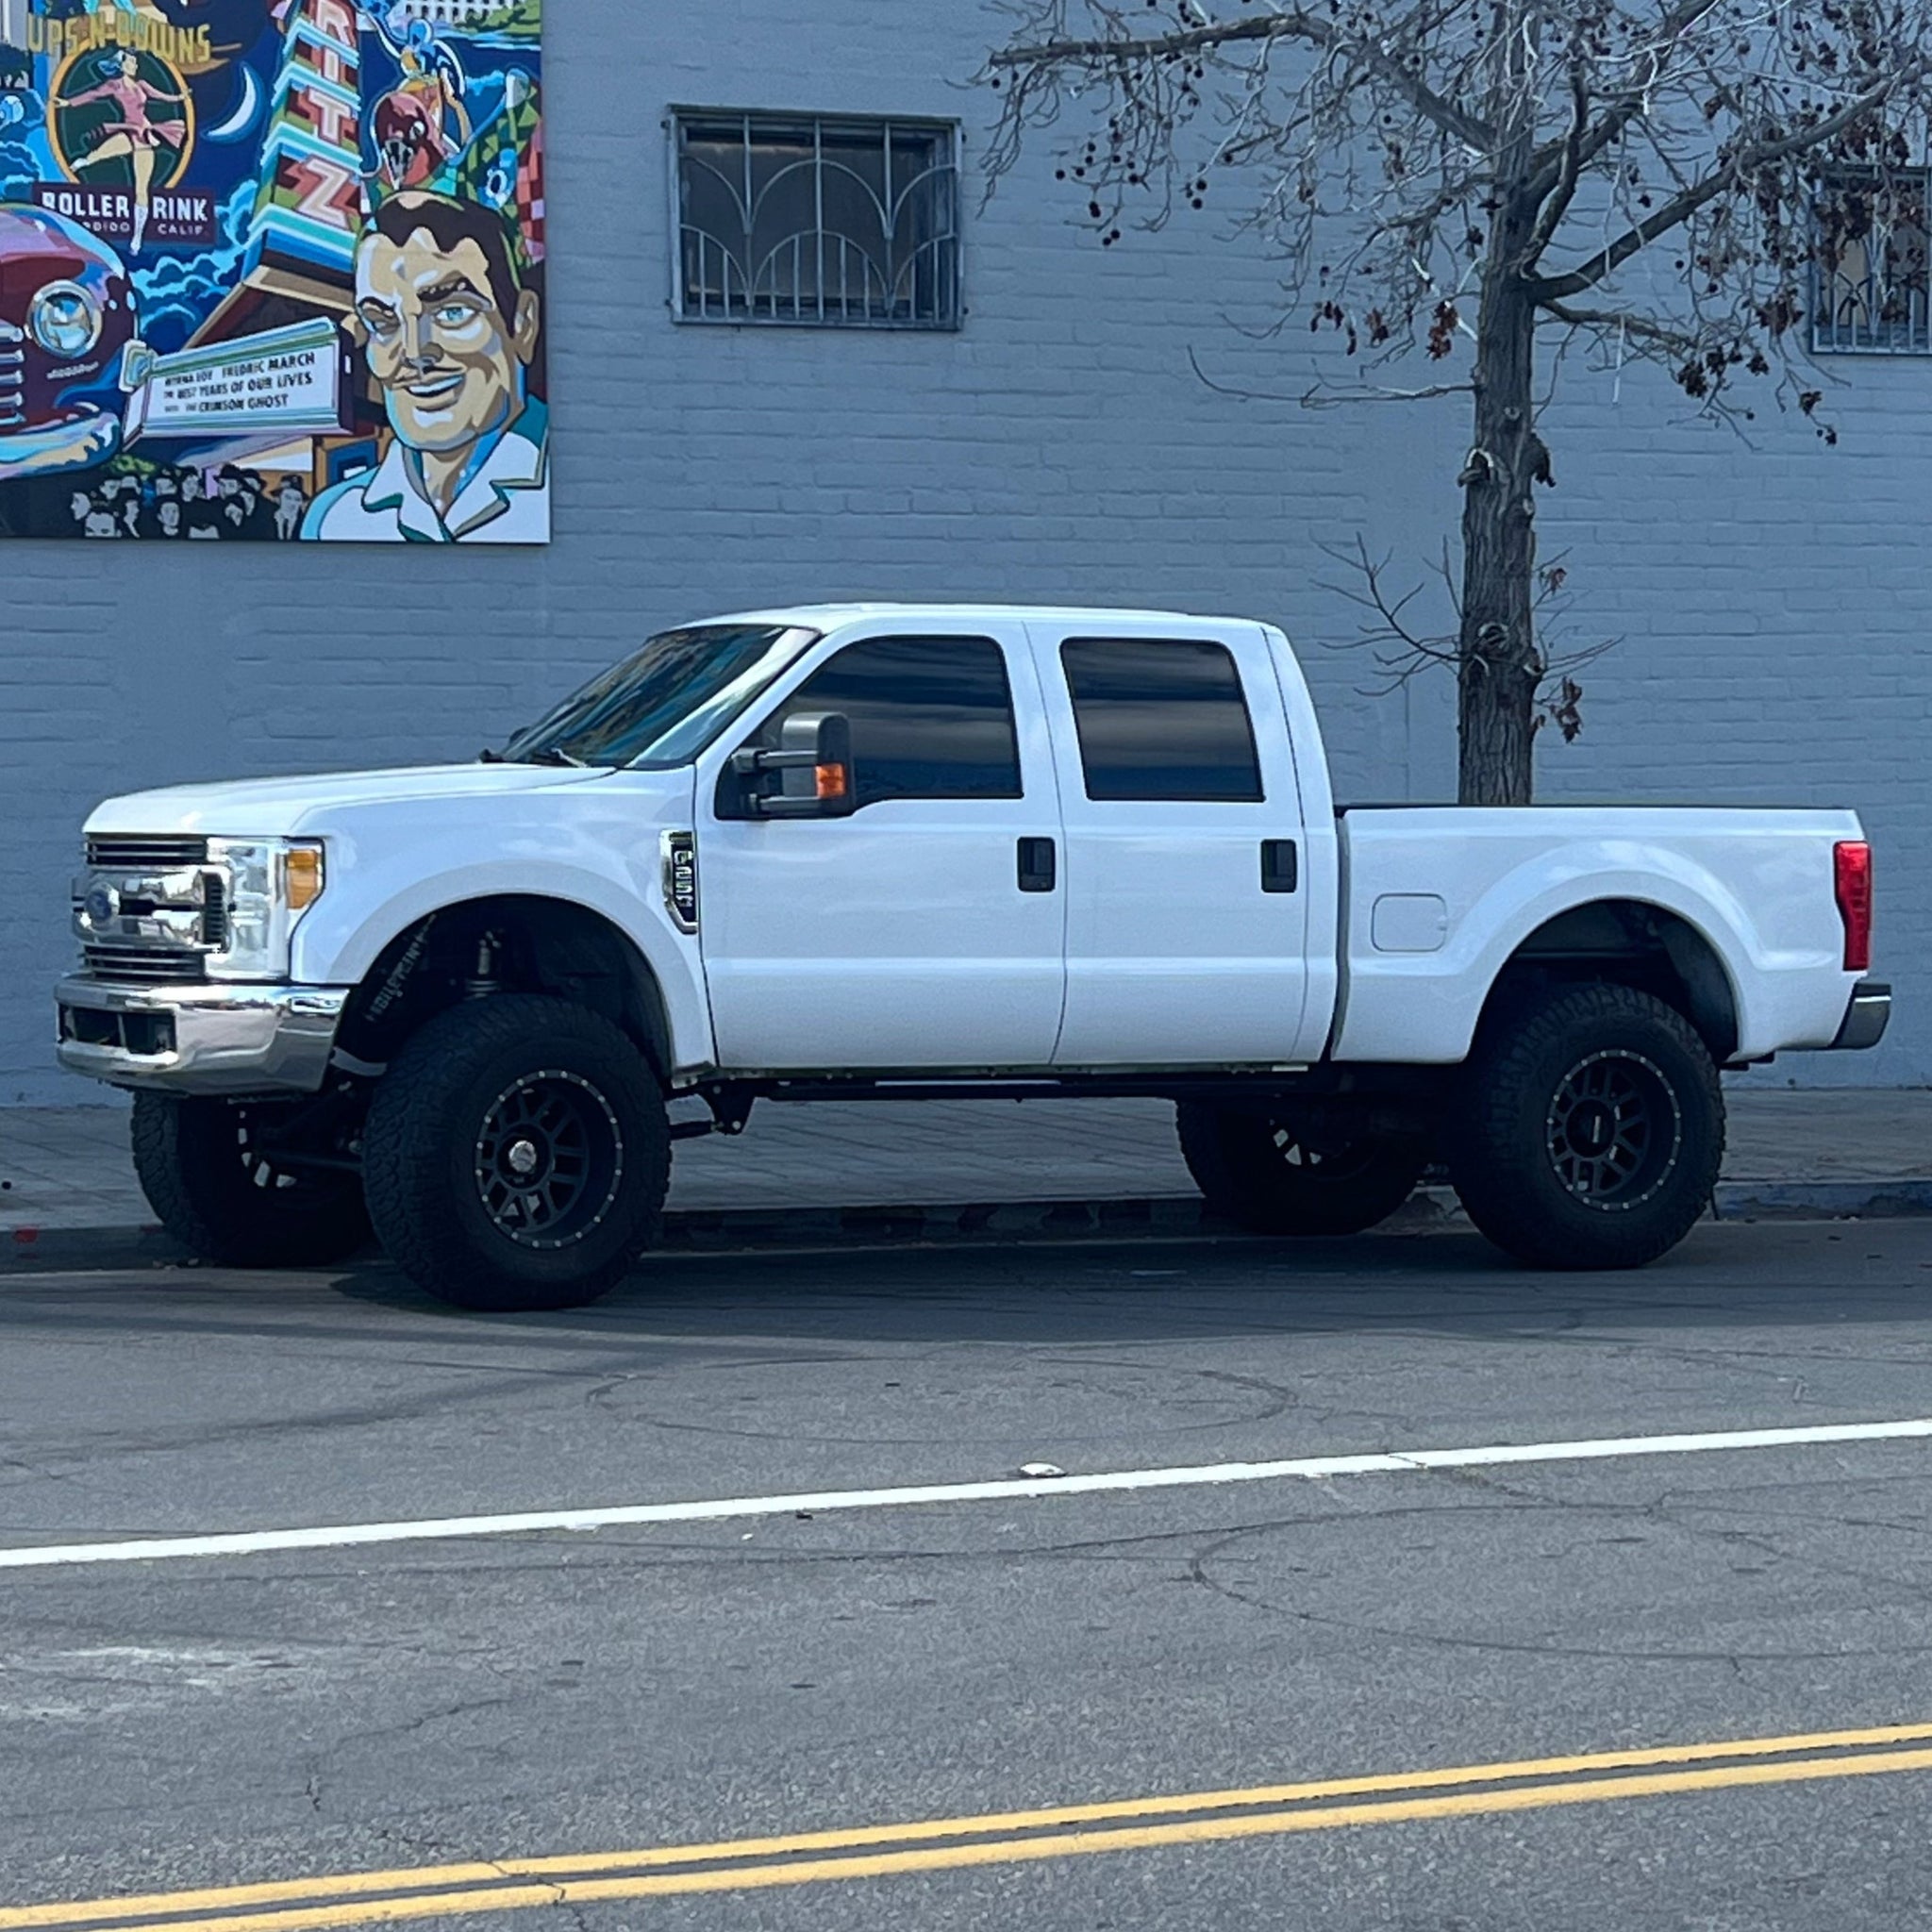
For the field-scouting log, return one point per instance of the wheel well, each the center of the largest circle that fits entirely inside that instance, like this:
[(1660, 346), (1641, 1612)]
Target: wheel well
[(1627, 943), (510, 944)]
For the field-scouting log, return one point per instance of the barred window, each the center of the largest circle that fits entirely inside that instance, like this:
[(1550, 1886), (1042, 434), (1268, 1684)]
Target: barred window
[(817, 220), (1871, 293)]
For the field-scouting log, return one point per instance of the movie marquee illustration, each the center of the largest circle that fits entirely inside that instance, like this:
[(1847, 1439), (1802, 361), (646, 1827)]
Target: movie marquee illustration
[(273, 271)]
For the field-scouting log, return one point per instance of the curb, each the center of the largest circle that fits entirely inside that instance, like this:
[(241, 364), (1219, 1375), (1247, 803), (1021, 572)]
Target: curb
[(732, 1229), (1890, 1200)]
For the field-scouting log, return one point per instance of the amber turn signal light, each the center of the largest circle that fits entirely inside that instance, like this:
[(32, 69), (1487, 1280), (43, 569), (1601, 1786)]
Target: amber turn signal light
[(302, 876), (832, 781)]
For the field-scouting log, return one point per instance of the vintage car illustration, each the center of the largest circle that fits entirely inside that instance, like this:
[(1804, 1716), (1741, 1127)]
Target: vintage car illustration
[(66, 313)]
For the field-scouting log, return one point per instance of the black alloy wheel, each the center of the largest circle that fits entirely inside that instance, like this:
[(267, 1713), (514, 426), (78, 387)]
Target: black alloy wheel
[(1615, 1131), (549, 1160)]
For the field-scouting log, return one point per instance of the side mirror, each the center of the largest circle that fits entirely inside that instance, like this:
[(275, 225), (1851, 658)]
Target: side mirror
[(812, 768)]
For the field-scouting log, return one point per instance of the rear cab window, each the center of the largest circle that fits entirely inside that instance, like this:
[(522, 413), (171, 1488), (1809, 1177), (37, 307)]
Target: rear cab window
[(1161, 719)]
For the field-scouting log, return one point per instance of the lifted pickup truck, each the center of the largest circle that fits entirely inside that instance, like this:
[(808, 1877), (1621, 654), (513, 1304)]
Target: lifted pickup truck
[(899, 852)]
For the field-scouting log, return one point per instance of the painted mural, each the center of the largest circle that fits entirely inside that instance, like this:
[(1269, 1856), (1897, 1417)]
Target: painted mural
[(273, 271)]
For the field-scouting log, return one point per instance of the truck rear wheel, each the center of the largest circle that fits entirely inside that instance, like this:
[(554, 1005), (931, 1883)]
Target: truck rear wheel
[(201, 1165), (1591, 1131), (517, 1155), (1264, 1173)]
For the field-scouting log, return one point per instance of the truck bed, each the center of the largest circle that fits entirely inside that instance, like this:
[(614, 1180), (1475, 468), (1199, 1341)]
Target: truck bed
[(1436, 898)]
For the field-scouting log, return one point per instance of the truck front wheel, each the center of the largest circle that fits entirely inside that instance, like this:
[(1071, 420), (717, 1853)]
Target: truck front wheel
[(1591, 1128), (517, 1155), (203, 1167), (1267, 1174)]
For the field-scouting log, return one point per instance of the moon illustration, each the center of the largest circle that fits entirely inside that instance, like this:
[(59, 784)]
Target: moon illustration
[(243, 119)]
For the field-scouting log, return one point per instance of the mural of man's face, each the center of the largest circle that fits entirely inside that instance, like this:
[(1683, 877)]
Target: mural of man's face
[(449, 361)]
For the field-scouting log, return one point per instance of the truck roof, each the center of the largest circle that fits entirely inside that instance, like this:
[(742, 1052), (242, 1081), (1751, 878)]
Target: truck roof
[(828, 616)]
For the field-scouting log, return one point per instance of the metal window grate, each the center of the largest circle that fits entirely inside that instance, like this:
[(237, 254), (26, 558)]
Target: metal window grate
[(1871, 292), (820, 222)]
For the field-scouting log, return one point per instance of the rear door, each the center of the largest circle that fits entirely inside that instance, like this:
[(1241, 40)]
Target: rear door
[(1187, 915), (924, 931)]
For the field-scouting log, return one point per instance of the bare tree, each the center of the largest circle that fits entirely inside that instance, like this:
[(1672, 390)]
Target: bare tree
[(1668, 179)]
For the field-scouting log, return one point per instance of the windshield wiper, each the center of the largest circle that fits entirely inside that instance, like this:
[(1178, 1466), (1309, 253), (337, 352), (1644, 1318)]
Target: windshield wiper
[(549, 756)]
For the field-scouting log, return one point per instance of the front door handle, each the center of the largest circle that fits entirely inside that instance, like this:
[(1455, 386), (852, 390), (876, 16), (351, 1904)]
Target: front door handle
[(1036, 867), (1280, 865)]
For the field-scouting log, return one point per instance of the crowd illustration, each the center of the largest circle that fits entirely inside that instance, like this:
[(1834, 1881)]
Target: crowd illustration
[(186, 504)]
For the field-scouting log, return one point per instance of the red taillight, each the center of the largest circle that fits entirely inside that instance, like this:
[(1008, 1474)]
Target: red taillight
[(1852, 868)]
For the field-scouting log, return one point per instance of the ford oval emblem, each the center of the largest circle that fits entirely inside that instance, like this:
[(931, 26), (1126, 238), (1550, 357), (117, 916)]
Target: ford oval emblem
[(102, 904)]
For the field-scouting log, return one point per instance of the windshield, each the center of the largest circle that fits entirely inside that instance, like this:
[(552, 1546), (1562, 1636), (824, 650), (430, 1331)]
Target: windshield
[(663, 706)]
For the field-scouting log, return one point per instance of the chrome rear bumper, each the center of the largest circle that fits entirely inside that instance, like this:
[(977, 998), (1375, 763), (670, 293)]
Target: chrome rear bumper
[(1867, 1017), (200, 1039)]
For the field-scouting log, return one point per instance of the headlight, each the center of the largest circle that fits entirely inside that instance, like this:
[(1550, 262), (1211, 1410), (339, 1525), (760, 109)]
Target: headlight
[(65, 320), (270, 883)]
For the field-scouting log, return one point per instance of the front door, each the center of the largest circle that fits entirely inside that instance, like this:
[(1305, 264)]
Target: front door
[(1187, 917), (925, 930)]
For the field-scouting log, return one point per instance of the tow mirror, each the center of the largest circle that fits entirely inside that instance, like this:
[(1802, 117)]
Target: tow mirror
[(812, 768)]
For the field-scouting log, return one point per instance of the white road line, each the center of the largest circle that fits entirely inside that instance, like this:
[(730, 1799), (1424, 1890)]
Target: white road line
[(255, 1543)]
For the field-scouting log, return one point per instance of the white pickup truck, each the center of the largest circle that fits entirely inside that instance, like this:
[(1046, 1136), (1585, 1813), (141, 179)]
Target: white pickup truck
[(881, 851)]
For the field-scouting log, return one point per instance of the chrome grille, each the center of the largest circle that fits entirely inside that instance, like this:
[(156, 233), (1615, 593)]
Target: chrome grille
[(142, 963), (12, 412), (138, 852)]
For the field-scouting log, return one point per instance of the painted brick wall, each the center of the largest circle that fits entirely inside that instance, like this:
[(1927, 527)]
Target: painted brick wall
[(1059, 448)]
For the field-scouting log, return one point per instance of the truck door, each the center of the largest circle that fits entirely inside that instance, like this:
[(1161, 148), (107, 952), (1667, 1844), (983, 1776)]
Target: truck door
[(927, 929), (1186, 909)]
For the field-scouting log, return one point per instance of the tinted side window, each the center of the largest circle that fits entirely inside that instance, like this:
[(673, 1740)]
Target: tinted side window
[(931, 717), (1161, 719)]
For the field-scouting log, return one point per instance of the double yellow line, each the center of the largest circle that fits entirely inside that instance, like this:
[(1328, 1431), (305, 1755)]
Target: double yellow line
[(997, 1838)]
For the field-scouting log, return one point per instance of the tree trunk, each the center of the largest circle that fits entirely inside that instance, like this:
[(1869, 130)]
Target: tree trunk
[(1498, 666)]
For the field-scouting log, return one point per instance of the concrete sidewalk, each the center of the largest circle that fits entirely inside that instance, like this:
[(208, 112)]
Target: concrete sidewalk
[(950, 1166)]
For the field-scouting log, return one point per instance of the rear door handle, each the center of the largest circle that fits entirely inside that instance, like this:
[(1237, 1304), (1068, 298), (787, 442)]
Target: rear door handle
[(1036, 867), (1280, 865)]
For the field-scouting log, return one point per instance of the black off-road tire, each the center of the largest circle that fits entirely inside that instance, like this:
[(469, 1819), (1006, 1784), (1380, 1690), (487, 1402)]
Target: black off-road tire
[(1254, 1170), (1591, 1130), (479, 1089), (197, 1164)]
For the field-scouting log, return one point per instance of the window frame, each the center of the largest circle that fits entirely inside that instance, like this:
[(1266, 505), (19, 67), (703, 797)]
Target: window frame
[(950, 137), (724, 803), (1243, 697)]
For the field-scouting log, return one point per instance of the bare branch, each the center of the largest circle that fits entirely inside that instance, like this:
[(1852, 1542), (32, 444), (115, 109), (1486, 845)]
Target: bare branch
[(1469, 128), (1727, 179), (1635, 102), (1624, 322), (1569, 173), (1320, 398), (1317, 398)]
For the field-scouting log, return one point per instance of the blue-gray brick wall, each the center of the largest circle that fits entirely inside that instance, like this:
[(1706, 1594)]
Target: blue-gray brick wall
[(1772, 598)]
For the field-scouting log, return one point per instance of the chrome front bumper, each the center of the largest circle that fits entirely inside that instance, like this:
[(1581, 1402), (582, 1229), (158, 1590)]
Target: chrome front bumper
[(199, 1039)]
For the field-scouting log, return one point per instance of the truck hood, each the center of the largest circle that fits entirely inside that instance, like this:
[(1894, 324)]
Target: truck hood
[(279, 808)]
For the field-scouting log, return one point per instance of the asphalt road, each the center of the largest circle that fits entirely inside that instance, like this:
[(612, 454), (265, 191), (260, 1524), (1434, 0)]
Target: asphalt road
[(508, 1709)]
